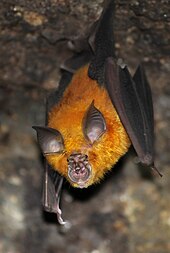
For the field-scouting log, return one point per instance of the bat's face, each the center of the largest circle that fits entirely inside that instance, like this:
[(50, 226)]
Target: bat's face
[(79, 169)]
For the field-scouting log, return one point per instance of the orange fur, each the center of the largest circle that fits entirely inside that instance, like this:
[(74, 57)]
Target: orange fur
[(67, 118)]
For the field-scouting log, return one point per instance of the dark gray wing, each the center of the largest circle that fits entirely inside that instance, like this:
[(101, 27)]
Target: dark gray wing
[(133, 102), (52, 191), (144, 92), (102, 43), (52, 181)]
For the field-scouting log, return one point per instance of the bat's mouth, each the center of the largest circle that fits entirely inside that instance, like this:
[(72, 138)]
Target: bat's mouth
[(79, 169)]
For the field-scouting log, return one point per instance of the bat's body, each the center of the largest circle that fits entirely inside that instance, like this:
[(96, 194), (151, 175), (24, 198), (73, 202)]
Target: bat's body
[(96, 114), (67, 117)]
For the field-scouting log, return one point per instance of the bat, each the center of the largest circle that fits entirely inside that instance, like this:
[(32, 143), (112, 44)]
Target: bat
[(97, 113)]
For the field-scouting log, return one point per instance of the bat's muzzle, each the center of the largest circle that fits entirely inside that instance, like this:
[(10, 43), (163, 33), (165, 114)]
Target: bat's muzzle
[(79, 169)]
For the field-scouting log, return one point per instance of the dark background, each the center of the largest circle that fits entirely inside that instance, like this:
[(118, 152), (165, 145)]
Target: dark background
[(130, 210)]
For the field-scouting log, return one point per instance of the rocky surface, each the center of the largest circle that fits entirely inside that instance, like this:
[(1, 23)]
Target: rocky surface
[(130, 210)]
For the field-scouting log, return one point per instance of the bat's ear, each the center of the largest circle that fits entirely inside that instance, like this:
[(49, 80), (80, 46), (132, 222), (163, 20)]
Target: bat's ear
[(94, 124), (49, 139)]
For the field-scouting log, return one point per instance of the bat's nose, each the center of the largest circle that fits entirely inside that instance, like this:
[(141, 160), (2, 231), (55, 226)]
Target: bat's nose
[(79, 170), (79, 174)]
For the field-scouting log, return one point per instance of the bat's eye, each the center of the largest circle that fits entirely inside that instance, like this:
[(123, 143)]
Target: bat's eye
[(50, 140), (94, 124)]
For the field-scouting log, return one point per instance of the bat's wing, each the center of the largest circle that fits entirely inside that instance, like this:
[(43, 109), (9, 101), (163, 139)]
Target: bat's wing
[(144, 92), (101, 41), (133, 102), (131, 105), (52, 191), (52, 181)]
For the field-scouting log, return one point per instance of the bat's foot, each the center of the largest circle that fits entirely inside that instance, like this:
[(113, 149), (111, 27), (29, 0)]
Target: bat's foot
[(65, 228)]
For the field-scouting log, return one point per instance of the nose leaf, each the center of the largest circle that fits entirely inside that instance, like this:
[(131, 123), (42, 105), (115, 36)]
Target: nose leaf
[(79, 170)]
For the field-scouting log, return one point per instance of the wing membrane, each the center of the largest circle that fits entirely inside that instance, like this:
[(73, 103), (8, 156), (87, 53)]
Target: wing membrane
[(133, 106)]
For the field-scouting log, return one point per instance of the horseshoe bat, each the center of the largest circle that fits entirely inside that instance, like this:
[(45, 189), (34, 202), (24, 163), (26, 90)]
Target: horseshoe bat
[(99, 110)]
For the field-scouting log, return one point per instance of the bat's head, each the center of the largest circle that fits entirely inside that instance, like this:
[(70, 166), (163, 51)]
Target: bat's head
[(75, 164), (83, 140)]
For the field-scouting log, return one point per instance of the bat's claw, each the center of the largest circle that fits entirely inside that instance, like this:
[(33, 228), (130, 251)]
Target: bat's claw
[(121, 63), (65, 228), (59, 218), (157, 171)]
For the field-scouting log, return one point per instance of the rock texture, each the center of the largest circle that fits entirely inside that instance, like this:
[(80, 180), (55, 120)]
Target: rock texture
[(130, 210)]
